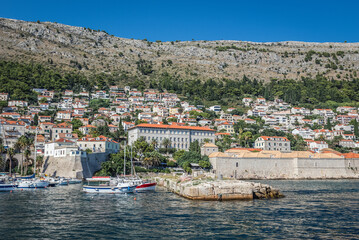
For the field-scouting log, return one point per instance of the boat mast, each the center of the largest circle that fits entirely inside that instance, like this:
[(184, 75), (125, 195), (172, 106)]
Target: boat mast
[(35, 151), (124, 162), (131, 163)]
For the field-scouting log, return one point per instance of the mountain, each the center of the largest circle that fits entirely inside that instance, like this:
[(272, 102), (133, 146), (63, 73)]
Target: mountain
[(93, 51)]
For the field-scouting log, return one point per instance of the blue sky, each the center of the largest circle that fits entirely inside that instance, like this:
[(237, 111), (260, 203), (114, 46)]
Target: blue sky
[(260, 21)]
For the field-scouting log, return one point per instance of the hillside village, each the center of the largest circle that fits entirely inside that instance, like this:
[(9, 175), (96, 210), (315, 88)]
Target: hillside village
[(98, 121)]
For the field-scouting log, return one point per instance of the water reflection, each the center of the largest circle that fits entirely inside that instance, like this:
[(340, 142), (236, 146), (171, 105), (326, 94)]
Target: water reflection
[(311, 209)]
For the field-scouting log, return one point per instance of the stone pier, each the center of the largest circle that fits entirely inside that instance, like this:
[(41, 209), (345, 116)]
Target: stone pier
[(218, 190)]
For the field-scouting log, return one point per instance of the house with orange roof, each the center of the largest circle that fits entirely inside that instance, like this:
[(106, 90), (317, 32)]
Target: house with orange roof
[(100, 144), (63, 115), (10, 131), (60, 128), (179, 137), (316, 146), (347, 143), (86, 129), (227, 126), (273, 143), (113, 128), (327, 134)]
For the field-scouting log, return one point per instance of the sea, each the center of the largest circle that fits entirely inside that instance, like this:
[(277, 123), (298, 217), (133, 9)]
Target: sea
[(311, 209)]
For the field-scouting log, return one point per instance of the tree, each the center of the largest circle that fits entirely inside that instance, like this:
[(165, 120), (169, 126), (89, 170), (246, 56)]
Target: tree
[(43, 100), (76, 123), (152, 159), (39, 162), (329, 124), (194, 147), (28, 161), (2, 160), (154, 143), (21, 145), (191, 157), (36, 120), (356, 128), (247, 136), (2, 105), (11, 154), (166, 143)]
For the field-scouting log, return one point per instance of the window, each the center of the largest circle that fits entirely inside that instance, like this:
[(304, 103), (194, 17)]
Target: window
[(236, 164)]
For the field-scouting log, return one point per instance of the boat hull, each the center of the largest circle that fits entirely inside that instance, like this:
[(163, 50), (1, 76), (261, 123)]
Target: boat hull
[(41, 184), (75, 181), (7, 187), (115, 189), (146, 187)]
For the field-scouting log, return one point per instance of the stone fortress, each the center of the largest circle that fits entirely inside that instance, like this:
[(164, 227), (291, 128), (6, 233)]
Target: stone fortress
[(266, 164)]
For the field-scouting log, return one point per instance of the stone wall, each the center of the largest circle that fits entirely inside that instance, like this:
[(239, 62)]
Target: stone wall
[(280, 168), (73, 166)]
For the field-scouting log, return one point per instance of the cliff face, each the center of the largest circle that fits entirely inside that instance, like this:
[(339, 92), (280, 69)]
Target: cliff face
[(86, 50)]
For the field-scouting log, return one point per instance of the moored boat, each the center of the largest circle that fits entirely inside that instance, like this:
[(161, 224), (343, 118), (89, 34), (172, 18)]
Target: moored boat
[(74, 181), (6, 185), (146, 186), (32, 183), (108, 185)]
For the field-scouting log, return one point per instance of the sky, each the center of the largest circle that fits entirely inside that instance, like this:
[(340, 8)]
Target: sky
[(258, 21)]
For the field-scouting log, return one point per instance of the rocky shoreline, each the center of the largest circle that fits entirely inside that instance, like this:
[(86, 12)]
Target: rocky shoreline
[(208, 188)]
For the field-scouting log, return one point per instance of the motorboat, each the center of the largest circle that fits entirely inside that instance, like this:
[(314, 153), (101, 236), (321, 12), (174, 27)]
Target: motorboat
[(6, 186), (120, 187), (145, 186), (32, 183), (53, 182), (74, 181), (63, 182)]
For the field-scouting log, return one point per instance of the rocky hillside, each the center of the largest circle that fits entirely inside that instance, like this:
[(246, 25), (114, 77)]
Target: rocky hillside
[(87, 50)]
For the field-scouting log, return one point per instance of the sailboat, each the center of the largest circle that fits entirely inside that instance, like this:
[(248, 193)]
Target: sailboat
[(32, 181), (109, 185), (142, 185)]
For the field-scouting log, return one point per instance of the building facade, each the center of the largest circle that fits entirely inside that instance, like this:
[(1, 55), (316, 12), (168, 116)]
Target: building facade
[(273, 143), (180, 136)]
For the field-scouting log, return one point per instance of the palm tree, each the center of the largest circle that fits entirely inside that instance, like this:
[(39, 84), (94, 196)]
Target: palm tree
[(2, 150), (27, 159), (247, 136), (10, 153), (166, 143), (154, 143), (21, 145), (39, 162), (240, 136), (152, 159)]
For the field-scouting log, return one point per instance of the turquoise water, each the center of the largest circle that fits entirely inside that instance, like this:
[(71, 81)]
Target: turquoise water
[(311, 209)]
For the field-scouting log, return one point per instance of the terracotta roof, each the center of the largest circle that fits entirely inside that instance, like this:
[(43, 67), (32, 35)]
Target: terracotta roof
[(63, 140), (244, 149), (266, 138), (174, 127), (209, 145)]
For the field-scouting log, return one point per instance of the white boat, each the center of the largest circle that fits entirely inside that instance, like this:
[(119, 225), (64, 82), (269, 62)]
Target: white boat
[(110, 185), (33, 183), (144, 186), (74, 181), (121, 187), (63, 182), (6, 185), (52, 181)]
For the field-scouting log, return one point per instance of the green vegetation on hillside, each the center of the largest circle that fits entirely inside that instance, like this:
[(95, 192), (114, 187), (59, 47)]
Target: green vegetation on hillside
[(19, 79)]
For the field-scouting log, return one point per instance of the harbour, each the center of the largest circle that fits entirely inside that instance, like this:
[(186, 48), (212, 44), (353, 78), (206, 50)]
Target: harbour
[(311, 209)]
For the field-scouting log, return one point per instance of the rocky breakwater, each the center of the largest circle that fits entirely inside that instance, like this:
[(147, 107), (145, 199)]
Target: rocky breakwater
[(211, 189)]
